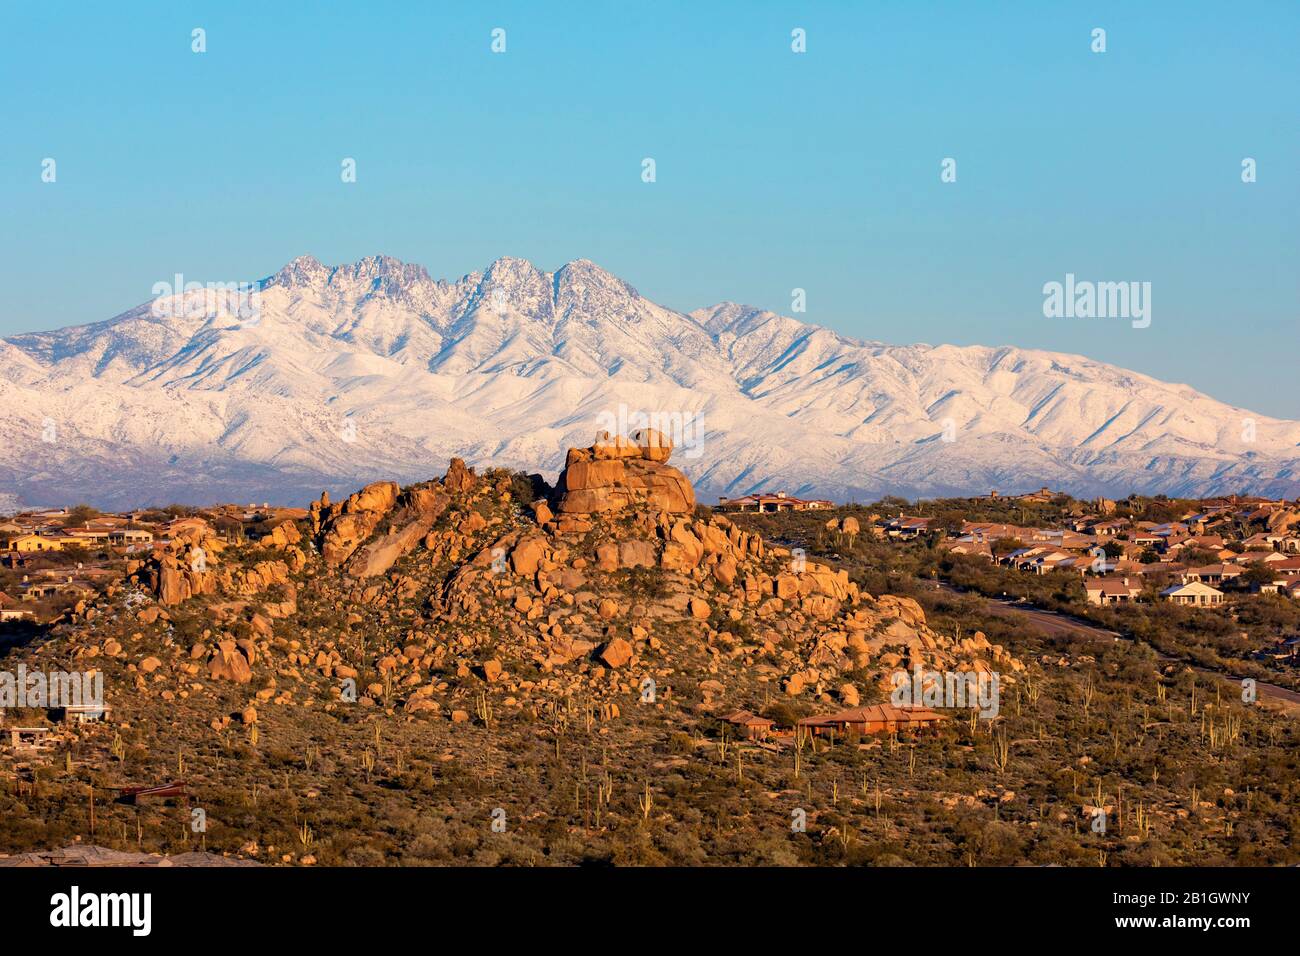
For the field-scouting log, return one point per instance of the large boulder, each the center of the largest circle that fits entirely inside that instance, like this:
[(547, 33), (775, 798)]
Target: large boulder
[(376, 496), (652, 444), (350, 523), (229, 663), (617, 473), (616, 653), (528, 554), (421, 507), (458, 477)]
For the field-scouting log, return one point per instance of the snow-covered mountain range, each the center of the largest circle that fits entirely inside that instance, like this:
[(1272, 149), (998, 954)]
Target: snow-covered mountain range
[(375, 369)]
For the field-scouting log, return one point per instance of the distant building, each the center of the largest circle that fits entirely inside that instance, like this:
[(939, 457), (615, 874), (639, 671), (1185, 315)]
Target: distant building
[(38, 542), (1112, 590), (10, 611), (873, 719), (751, 725), (128, 536), (776, 501), (1213, 574), (906, 528), (1194, 594), (1042, 494), (84, 713)]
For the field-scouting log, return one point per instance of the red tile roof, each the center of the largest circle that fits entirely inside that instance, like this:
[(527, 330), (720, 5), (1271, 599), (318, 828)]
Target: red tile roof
[(874, 714)]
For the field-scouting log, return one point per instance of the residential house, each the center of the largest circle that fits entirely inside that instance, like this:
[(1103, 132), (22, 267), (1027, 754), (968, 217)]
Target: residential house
[(750, 725), (1112, 590), (1041, 560), (85, 713), (1289, 568), (873, 719), (777, 501), (10, 609), (1213, 574), (967, 545), (1267, 557), (129, 536), (1109, 529), (1207, 542), (1195, 594), (29, 543), (905, 528), (1043, 494), (1149, 539), (1264, 541)]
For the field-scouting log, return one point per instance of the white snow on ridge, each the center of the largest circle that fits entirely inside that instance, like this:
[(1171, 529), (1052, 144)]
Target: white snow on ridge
[(374, 369)]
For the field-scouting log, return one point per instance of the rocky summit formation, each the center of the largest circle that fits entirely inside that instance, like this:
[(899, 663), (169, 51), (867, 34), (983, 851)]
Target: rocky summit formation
[(617, 473), (470, 587)]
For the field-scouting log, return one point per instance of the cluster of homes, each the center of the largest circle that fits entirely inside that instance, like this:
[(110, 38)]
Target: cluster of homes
[(58, 530), (60, 553), (1202, 559)]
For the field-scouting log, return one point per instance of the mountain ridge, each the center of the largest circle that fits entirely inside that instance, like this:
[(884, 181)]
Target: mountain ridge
[(376, 369)]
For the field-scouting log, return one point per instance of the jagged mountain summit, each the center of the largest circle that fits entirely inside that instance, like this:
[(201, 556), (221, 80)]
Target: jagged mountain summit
[(344, 374)]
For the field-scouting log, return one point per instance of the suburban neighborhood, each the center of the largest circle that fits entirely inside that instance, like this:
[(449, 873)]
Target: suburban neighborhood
[(1203, 559), (57, 559)]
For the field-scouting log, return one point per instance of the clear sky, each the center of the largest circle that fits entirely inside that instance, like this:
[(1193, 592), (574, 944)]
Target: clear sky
[(775, 170)]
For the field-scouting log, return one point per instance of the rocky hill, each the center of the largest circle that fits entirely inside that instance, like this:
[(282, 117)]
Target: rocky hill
[(470, 582), (488, 669)]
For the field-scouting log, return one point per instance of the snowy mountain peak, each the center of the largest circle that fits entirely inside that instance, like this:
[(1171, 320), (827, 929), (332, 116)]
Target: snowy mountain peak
[(516, 276), (373, 369), (302, 271)]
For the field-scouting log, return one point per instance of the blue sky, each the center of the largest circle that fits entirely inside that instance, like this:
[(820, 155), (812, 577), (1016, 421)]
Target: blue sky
[(775, 170)]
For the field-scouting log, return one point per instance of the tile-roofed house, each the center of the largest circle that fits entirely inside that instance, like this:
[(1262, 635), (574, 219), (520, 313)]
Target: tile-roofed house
[(1148, 539), (1196, 594), (54, 541), (775, 501), (968, 545), (873, 719), (11, 610), (1127, 566), (1112, 590), (1287, 569), (752, 725), (1213, 573), (1058, 561), (1267, 557), (1041, 560), (907, 527), (1260, 542), (1110, 527)]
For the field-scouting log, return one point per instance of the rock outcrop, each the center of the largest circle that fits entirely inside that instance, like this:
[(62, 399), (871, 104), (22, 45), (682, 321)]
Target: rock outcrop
[(232, 662), (472, 587), (347, 524), (418, 509), (618, 472)]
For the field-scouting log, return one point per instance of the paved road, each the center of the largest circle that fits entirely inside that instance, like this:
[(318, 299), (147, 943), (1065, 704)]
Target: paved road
[(1054, 624)]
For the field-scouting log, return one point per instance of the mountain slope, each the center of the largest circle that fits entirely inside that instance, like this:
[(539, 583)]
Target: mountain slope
[(375, 369)]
